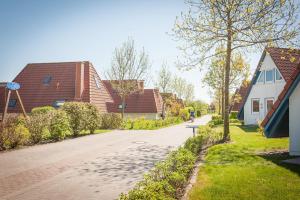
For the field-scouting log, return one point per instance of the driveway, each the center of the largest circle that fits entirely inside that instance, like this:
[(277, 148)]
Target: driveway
[(91, 167)]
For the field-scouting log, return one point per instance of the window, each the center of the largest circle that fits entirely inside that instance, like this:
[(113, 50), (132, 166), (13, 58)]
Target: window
[(12, 103), (97, 82), (261, 78), (269, 75), (269, 104), (47, 79), (255, 105), (278, 75)]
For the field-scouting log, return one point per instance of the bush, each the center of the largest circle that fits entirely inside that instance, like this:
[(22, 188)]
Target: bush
[(38, 125), (147, 124), (13, 132), (184, 114), (59, 125), (93, 118), (111, 121), (168, 178), (77, 115), (42, 110), (210, 135), (233, 115)]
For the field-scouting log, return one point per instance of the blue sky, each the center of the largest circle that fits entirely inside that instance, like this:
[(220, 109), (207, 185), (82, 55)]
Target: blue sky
[(73, 30)]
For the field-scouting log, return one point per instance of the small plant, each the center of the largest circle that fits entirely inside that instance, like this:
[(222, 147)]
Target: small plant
[(77, 115), (59, 125), (38, 125), (111, 121), (184, 114), (93, 118), (13, 133), (42, 110)]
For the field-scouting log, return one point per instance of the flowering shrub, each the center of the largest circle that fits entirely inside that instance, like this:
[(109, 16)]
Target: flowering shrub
[(13, 132)]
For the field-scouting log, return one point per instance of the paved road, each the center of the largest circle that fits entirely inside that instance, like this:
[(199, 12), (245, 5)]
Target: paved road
[(92, 167)]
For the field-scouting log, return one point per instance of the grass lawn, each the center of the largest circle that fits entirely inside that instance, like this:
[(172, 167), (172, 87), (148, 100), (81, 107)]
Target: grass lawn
[(247, 168)]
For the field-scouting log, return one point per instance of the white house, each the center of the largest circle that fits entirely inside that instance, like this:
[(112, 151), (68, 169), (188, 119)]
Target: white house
[(273, 72), (283, 118)]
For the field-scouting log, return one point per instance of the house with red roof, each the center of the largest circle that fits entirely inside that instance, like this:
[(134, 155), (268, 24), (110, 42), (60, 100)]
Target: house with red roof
[(146, 103), (238, 97), (52, 84), (274, 71)]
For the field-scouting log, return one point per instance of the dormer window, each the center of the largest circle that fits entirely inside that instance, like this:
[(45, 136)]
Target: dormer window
[(97, 82), (47, 79), (270, 76), (261, 78), (278, 75)]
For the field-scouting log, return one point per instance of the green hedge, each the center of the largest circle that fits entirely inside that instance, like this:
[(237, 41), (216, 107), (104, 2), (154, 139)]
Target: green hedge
[(169, 177), (233, 115), (146, 124)]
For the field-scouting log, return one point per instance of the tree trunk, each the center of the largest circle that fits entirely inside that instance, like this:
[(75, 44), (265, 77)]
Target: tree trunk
[(226, 136), (220, 105), (223, 102), (123, 106)]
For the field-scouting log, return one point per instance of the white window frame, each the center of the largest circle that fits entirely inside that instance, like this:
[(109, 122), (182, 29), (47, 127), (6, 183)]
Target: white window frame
[(272, 81), (277, 70), (266, 105), (255, 99), (261, 74)]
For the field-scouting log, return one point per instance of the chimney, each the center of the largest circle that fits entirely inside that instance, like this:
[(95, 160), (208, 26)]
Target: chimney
[(79, 81)]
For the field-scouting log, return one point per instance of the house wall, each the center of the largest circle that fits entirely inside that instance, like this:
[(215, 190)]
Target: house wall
[(294, 125), (262, 91), (142, 115)]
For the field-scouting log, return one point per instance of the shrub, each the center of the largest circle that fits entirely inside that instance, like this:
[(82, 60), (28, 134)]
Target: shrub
[(194, 144), (13, 132), (233, 114), (111, 121), (148, 124), (42, 110), (77, 115), (184, 114), (59, 125), (210, 135), (93, 118), (38, 125)]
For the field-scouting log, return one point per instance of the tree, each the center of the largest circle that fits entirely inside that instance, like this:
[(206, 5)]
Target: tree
[(163, 83), (237, 24), (179, 86), (189, 93), (128, 68), (164, 80), (215, 76)]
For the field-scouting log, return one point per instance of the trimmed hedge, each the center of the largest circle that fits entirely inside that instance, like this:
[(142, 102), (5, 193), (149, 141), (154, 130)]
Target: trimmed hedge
[(168, 178), (111, 121), (145, 124)]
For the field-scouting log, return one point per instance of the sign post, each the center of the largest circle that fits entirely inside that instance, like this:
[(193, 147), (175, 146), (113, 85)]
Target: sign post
[(12, 86)]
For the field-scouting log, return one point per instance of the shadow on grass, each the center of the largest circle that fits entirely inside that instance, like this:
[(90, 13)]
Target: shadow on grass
[(248, 128), (278, 157)]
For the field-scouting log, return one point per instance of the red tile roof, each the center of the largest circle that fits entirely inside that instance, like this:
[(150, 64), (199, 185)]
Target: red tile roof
[(239, 96), (285, 59), (70, 81), (281, 96), (146, 101)]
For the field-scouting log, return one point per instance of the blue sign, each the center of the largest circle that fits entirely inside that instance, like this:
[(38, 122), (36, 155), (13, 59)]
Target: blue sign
[(13, 86)]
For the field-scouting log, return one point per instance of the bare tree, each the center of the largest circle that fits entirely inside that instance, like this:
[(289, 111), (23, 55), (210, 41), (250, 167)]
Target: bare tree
[(179, 86), (236, 24), (164, 83), (128, 68), (189, 93), (164, 80)]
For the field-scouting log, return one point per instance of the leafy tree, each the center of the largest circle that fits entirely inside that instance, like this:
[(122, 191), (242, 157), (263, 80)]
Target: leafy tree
[(237, 24), (179, 86), (127, 69), (215, 76)]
